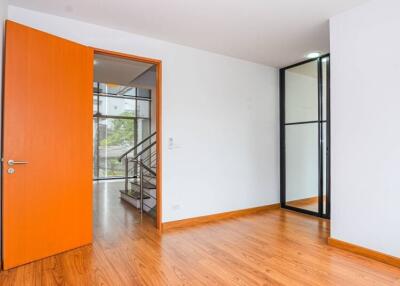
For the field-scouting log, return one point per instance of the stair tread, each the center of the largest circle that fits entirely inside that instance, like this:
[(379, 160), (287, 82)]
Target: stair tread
[(146, 185), (150, 176), (134, 194)]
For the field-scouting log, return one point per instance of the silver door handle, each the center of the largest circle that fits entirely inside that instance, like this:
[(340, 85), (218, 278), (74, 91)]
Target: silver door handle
[(12, 162)]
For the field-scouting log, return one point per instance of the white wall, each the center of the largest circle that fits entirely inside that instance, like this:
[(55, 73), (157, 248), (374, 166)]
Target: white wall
[(365, 104), (222, 114)]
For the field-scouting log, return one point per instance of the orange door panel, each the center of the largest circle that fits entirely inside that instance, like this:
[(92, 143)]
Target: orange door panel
[(47, 202)]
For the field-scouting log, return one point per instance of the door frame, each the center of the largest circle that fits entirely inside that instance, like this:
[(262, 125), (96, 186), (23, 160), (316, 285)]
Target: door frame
[(282, 124), (158, 64)]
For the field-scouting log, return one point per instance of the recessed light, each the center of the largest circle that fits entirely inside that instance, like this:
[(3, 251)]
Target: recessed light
[(313, 55)]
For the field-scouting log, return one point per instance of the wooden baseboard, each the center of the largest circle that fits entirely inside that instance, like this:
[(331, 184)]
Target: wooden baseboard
[(379, 256), (214, 217)]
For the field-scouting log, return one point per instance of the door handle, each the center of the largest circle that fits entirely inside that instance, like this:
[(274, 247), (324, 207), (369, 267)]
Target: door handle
[(12, 162)]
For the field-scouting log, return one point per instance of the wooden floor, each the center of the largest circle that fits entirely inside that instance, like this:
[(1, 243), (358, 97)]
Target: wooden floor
[(310, 204), (273, 248)]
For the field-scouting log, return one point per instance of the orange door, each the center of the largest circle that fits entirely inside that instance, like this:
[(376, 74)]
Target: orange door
[(47, 199)]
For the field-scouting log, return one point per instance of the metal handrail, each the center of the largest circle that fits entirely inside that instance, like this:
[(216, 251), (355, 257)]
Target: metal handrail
[(149, 157), (141, 180), (144, 150), (142, 165), (139, 162), (134, 159), (136, 146)]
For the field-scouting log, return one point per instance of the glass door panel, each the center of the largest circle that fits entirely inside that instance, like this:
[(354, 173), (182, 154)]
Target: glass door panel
[(302, 166), (305, 137), (325, 86), (301, 93), (324, 172)]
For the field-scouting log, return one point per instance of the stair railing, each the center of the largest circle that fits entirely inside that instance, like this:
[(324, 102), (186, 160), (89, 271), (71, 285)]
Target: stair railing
[(125, 154), (142, 168), (129, 151)]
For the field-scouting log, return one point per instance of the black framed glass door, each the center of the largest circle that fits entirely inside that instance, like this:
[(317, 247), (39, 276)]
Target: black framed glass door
[(305, 137)]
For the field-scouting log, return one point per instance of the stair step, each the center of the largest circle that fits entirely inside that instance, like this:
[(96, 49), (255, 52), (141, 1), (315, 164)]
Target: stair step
[(134, 194), (149, 176), (146, 185)]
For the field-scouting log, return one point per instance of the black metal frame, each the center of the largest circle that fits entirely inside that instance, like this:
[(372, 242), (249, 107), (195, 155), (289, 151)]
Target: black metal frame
[(112, 178), (132, 97), (320, 122)]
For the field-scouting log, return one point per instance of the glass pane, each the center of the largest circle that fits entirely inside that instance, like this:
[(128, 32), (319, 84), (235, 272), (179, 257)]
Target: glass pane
[(95, 100), (302, 166), (143, 93), (95, 87), (101, 151), (115, 89), (115, 137), (116, 106), (95, 149), (129, 91), (143, 130), (324, 169), (301, 93), (325, 62), (143, 108)]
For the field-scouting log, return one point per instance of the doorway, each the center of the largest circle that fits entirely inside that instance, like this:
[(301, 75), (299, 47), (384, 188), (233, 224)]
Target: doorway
[(123, 100), (124, 134), (305, 137)]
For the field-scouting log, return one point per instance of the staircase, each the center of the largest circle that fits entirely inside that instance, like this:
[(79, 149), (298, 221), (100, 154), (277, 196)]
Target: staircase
[(141, 176)]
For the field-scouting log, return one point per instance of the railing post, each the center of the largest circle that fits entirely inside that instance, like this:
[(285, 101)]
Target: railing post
[(126, 173), (141, 186), (135, 169)]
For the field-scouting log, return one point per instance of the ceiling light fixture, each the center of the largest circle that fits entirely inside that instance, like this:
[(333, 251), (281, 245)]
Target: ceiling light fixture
[(313, 55)]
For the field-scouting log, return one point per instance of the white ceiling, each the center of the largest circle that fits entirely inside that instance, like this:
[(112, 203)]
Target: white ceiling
[(272, 32), (120, 71)]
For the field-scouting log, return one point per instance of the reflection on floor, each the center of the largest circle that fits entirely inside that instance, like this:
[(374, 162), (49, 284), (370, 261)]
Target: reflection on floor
[(109, 209), (272, 248), (310, 204)]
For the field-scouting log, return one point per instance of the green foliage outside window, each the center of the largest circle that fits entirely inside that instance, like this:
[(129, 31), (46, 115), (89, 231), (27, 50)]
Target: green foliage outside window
[(121, 133)]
